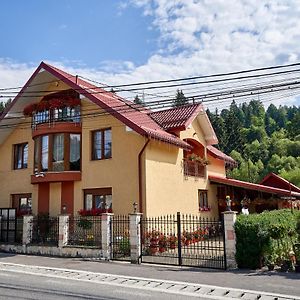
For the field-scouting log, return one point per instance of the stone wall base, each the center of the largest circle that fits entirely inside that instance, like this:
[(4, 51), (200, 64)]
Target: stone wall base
[(53, 251)]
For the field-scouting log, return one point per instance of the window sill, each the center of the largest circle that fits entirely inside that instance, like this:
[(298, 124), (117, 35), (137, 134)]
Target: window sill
[(56, 176)]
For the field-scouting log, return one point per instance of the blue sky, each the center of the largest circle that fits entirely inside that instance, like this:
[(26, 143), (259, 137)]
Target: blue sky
[(88, 32), (124, 41)]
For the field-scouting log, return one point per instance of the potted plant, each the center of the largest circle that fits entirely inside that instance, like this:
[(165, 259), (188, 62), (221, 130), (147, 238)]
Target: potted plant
[(172, 242), (162, 243)]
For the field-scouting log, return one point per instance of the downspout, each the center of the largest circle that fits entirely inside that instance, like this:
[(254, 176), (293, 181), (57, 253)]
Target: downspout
[(140, 176)]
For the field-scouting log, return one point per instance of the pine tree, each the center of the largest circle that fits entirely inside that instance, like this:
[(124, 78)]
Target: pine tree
[(180, 99), (138, 101)]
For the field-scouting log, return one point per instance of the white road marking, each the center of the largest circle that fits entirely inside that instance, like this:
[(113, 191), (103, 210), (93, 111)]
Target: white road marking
[(189, 289)]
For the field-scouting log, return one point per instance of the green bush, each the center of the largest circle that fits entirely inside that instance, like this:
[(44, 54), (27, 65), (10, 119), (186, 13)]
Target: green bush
[(265, 238)]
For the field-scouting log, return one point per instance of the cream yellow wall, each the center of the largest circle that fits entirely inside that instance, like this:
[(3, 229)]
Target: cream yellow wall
[(15, 181), (120, 172), (216, 166), (167, 189)]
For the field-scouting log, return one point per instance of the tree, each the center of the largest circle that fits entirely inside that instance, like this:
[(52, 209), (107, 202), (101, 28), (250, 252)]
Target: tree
[(233, 127), (294, 126), (180, 99), (1, 107), (138, 101)]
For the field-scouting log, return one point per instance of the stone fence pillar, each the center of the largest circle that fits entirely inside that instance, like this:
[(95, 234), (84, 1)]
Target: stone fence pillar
[(230, 238), (135, 237), (27, 229), (63, 230), (106, 235)]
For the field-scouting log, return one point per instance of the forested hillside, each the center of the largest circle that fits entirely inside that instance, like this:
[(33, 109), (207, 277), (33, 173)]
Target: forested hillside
[(261, 141)]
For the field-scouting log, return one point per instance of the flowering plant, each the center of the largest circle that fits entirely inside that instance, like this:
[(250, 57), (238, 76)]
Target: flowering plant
[(93, 211), (52, 103), (205, 208)]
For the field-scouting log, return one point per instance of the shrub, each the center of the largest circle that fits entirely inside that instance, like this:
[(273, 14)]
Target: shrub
[(265, 238)]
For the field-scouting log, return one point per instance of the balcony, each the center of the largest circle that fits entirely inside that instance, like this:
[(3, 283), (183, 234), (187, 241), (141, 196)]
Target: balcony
[(193, 168), (55, 177)]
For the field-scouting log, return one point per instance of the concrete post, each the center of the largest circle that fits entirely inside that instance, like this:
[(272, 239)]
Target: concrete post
[(230, 238), (63, 230), (106, 235), (27, 229), (135, 237)]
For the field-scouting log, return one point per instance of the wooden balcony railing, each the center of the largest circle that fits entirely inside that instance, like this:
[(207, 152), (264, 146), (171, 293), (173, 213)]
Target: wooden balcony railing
[(193, 168)]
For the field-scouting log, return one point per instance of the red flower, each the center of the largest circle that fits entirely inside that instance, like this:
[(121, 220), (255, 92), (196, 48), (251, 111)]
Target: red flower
[(29, 109), (43, 105)]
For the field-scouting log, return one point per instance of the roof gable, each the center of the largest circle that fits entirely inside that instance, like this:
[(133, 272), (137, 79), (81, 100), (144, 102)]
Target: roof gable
[(180, 118), (276, 181), (130, 115)]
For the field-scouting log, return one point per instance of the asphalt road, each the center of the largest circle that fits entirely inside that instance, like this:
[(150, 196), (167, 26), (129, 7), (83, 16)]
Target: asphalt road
[(25, 286), (31, 286)]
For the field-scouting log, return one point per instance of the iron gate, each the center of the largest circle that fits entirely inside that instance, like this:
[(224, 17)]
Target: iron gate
[(183, 240), (120, 238), (8, 225)]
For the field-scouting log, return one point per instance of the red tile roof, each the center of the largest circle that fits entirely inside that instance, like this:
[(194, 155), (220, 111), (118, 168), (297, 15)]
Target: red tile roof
[(130, 115), (219, 154), (178, 118), (253, 186), (275, 180)]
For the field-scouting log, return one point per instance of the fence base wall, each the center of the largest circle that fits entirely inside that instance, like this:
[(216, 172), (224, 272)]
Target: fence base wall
[(53, 251)]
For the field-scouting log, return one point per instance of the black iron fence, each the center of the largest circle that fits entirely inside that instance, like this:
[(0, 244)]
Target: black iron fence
[(85, 231), (19, 230), (45, 230), (183, 240), (120, 241)]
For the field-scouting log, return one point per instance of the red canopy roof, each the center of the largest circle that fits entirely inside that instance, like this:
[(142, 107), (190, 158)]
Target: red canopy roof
[(178, 118), (253, 186), (275, 180), (219, 154)]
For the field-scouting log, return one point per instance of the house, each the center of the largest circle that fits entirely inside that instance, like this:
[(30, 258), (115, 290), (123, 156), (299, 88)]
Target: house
[(67, 145)]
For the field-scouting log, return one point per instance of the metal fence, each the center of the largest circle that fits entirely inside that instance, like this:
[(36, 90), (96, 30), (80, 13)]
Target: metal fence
[(183, 240), (120, 242), (19, 230), (85, 231), (45, 230)]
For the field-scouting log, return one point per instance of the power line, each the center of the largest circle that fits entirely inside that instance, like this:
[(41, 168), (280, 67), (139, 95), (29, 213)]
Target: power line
[(181, 79)]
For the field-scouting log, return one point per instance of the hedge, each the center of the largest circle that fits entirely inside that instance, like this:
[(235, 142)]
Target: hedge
[(266, 238)]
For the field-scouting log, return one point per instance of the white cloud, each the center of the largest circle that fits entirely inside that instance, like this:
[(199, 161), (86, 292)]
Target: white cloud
[(198, 37)]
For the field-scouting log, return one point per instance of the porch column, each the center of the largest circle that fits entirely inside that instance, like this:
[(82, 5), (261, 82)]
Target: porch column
[(135, 237), (230, 238), (27, 229), (63, 230), (106, 232)]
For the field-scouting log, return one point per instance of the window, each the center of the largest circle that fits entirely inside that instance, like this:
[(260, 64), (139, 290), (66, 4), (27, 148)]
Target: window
[(203, 200), (101, 144), (98, 198), (22, 202), (21, 156), (45, 152), (75, 152), (57, 152)]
